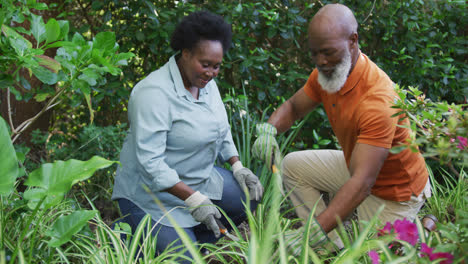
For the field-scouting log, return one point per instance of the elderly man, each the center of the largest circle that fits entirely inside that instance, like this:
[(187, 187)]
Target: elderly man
[(357, 96)]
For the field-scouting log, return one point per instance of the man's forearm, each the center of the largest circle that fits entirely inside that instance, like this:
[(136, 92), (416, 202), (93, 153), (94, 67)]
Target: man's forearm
[(283, 118)]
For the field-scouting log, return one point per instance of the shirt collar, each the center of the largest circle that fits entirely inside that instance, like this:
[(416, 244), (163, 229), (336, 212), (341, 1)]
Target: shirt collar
[(355, 75)]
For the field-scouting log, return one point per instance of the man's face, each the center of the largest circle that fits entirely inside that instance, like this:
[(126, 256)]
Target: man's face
[(332, 57)]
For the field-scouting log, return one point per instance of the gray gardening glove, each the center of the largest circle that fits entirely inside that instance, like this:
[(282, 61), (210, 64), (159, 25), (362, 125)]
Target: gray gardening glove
[(265, 147), (204, 211), (248, 181)]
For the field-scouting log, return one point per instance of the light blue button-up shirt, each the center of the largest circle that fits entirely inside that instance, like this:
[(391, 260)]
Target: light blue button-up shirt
[(173, 137)]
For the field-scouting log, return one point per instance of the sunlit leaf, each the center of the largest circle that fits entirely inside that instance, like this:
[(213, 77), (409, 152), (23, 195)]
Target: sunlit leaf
[(8, 161), (52, 30), (65, 227)]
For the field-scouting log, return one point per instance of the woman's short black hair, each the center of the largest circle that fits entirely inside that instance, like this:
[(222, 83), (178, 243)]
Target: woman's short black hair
[(201, 25)]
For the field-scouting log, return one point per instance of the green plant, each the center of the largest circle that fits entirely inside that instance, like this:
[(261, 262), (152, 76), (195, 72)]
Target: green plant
[(35, 223), (78, 67), (439, 129)]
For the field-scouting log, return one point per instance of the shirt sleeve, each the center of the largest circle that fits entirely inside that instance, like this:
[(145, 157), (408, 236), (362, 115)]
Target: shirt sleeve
[(150, 120), (376, 126)]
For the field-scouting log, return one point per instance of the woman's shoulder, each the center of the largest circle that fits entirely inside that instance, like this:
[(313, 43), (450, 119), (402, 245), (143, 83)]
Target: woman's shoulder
[(158, 82)]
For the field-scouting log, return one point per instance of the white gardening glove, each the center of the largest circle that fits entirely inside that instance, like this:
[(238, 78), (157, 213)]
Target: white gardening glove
[(294, 238), (204, 211), (248, 181), (265, 147)]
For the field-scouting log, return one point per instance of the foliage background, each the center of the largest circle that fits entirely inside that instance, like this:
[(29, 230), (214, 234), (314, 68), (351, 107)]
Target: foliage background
[(418, 43)]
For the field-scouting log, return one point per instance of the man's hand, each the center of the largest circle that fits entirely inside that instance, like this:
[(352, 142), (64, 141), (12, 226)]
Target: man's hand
[(248, 181), (294, 238), (204, 211), (265, 147)]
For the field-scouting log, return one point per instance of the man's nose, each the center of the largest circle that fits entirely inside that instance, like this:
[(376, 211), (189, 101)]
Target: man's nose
[(321, 60)]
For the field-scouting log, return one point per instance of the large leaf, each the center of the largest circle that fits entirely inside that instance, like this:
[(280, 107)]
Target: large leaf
[(45, 75), (38, 28), (9, 32), (66, 226), (58, 177), (8, 162), (104, 40), (52, 30), (49, 63)]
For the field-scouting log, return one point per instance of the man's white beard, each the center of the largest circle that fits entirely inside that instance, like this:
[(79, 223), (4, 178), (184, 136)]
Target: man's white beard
[(335, 82)]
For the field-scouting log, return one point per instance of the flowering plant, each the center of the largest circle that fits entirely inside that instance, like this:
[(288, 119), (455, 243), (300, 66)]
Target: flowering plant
[(438, 129), (406, 237)]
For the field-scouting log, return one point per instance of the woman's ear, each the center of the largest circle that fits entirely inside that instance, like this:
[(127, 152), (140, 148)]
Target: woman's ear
[(186, 54)]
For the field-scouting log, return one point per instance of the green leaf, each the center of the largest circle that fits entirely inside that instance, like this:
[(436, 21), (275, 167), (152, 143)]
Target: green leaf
[(60, 176), (40, 97), (38, 28), (104, 40), (49, 63), (45, 75), (9, 32), (52, 30), (64, 28), (65, 227), (78, 39), (8, 163), (90, 76)]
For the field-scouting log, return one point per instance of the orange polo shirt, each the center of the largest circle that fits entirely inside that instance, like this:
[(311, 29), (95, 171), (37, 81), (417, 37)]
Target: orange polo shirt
[(361, 113)]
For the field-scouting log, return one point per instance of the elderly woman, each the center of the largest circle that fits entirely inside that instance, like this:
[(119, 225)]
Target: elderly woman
[(178, 129)]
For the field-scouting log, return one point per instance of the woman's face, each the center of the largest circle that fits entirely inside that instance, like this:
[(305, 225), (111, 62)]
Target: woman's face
[(201, 65)]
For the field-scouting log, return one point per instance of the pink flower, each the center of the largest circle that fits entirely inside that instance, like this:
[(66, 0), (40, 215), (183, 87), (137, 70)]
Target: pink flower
[(374, 256), (427, 251), (463, 142), (406, 231), (387, 230)]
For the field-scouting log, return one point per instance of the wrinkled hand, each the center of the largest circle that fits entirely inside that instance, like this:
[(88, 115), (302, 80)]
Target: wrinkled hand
[(294, 238), (204, 211), (265, 147), (248, 181)]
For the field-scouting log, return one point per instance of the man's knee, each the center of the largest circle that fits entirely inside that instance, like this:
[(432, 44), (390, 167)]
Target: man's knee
[(288, 165)]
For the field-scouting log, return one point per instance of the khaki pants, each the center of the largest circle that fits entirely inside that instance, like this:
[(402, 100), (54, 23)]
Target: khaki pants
[(308, 172)]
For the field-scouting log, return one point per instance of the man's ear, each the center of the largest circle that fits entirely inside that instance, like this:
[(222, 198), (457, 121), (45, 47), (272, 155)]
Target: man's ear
[(353, 40)]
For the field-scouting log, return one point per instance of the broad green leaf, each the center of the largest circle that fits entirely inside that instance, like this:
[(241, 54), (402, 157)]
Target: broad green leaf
[(65, 227), (49, 63), (45, 75), (58, 177), (9, 32), (38, 28), (20, 45), (104, 40), (121, 58), (35, 195), (78, 39), (64, 28), (90, 76), (52, 30), (8, 163)]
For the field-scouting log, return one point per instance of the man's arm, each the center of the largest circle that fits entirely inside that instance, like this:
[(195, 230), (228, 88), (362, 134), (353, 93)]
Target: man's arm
[(365, 165), (293, 109)]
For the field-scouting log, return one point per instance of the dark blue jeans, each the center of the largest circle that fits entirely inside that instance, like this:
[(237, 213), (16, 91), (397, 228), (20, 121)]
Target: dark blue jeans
[(231, 203)]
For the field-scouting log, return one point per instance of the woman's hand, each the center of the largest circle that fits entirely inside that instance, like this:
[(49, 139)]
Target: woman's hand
[(248, 181), (204, 211)]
